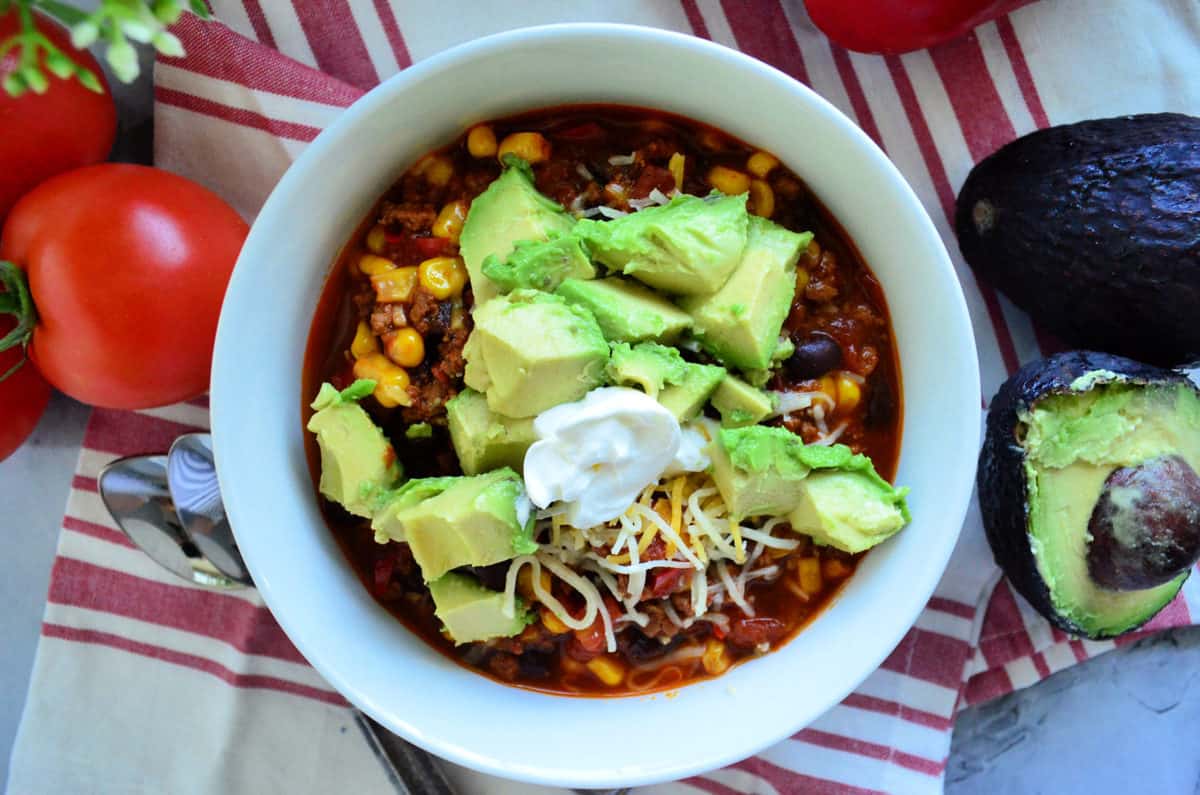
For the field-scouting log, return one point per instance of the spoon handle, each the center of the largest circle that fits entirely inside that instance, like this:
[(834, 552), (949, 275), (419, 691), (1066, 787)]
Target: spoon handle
[(410, 770)]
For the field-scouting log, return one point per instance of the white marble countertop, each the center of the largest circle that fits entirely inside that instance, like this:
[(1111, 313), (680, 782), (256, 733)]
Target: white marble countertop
[(1128, 721)]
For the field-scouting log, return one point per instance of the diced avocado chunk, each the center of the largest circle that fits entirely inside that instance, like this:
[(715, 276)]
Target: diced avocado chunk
[(388, 522), (531, 350), (687, 247), (510, 210), (758, 470), (483, 439), (740, 322), (686, 398), (358, 463), (848, 510), (741, 404), (540, 264), (648, 365), (472, 521), (626, 311), (761, 471), (470, 612), (419, 430)]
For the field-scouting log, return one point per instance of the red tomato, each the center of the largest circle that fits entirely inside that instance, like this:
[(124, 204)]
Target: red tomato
[(24, 396), (127, 266), (46, 134), (891, 27)]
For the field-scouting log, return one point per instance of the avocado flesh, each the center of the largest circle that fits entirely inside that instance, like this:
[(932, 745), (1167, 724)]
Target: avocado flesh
[(357, 460), (1073, 442), (470, 612)]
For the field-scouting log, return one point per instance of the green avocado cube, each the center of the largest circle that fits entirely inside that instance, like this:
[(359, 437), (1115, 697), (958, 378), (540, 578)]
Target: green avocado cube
[(741, 404), (685, 398), (627, 312), (758, 470), (540, 264), (470, 521), (530, 351), (848, 510), (483, 439), (470, 612), (357, 461), (510, 210), (740, 322), (687, 247), (648, 365), (388, 521)]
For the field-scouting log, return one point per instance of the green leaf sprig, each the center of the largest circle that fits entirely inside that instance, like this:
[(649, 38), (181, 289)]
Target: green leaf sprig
[(119, 24)]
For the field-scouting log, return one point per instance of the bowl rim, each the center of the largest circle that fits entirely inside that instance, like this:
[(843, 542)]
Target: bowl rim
[(225, 380)]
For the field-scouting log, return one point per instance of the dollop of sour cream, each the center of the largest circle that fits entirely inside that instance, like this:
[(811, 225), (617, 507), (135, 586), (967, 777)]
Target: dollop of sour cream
[(594, 456)]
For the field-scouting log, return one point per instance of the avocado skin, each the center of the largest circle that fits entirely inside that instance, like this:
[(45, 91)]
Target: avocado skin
[(1001, 474), (1094, 232)]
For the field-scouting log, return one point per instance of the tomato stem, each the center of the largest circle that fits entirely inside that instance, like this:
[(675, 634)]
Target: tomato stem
[(16, 300)]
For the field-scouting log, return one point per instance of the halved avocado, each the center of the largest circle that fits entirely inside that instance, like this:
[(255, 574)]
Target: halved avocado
[(1087, 480)]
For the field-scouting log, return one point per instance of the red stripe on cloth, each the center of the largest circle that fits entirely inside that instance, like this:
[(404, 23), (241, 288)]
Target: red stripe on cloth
[(883, 753), (897, 710), (216, 51), (126, 433), (200, 402), (973, 96), (954, 608), (931, 657), (1040, 665), (84, 484), (336, 41), (258, 21), (392, 30), (1004, 637), (789, 781), (854, 90), (986, 686), (246, 118), (248, 681), (763, 30), (945, 194), (246, 627), (1078, 650), (1020, 67), (695, 18), (97, 531)]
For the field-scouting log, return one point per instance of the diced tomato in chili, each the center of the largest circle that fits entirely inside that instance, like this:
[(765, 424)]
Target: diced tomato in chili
[(663, 582), (384, 568)]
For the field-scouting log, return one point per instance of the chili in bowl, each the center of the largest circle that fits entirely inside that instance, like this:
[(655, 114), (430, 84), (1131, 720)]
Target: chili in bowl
[(572, 383)]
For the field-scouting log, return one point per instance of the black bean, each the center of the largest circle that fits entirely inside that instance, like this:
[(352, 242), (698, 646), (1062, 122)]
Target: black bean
[(881, 403), (491, 576), (815, 355), (638, 648)]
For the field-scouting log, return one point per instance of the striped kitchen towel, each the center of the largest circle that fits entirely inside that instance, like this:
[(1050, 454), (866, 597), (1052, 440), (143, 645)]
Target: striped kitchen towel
[(145, 684)]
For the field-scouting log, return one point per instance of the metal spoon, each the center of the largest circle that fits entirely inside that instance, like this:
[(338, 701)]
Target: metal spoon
[(170, 507)]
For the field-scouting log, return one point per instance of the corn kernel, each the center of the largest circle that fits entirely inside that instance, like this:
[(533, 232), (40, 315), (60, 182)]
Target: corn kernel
[(372, 265), (848, 392), (394, 285), (552, 623), (829, 387), (570, 665), (525, 582), (761, 163), (810, 575), (675, 165), (364, 341), (481, 141), (405, 347), (376, 239), (444, 277), (716, 658), (762, 199), (801, 280), (711, 140), (834, 569), (529, 146), (608, 669), (728, 181), (436, 169), (391, 382), (449, 222)]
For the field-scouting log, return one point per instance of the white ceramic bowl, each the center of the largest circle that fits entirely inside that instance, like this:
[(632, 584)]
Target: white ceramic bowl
[(393, 675)]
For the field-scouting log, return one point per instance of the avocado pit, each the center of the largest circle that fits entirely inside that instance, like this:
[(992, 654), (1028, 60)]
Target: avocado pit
[(1145, 527)]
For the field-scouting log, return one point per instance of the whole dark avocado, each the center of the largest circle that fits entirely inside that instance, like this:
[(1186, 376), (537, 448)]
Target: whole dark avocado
[(1094, 229), (1100, 418)]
